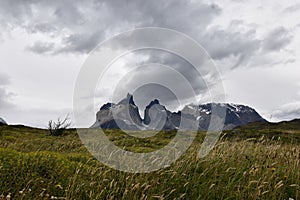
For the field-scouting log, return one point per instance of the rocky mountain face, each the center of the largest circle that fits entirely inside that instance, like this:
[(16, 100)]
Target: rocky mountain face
[(125, 115), (236, 115), (2, 122)]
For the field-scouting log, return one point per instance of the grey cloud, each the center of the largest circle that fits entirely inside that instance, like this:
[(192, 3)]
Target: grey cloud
[(123, 15), (5, 99), (80, 43), (5, 96), (42, 28), (76, 23), (40, 47), (292, 8), (77, 26), (181, 65), (4, 79), (222, 43), (285, 62), (181, 15), (239, 1), (287, 112), (277, 39)]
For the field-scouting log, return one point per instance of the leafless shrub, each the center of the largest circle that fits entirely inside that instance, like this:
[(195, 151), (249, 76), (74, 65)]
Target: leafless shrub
[(57, 128)]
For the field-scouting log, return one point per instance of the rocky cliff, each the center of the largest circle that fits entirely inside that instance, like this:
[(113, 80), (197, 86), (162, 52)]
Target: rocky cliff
[(125, 115)]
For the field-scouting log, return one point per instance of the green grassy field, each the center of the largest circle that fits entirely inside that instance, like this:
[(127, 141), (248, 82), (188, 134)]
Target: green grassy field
[(247, 163)]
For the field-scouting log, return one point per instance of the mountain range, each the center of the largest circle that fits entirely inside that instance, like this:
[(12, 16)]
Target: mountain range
[(125, 115)]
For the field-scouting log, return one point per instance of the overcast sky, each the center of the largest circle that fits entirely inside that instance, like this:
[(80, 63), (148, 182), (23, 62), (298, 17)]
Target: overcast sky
[(43, 45)]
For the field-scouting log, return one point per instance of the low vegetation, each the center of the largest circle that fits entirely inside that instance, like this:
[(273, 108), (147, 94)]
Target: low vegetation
[(257, 165), (58, 128)]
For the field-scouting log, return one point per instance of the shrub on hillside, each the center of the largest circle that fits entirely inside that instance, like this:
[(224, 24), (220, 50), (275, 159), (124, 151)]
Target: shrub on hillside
[(57, 128)]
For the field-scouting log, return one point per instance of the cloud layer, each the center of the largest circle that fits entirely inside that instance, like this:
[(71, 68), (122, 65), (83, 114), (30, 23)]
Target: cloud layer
[(77, 27)]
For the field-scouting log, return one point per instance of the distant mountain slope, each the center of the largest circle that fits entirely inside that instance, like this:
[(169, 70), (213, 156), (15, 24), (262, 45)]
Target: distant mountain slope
[(125, 115), (236, 115), (264, 125), (286, 131), (2, 122)]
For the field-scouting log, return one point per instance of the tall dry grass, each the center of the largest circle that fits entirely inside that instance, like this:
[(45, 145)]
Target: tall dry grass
[(36, 166)]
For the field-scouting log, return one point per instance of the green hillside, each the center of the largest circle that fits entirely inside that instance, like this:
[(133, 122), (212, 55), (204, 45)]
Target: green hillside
[(258, 161), (287, 132)]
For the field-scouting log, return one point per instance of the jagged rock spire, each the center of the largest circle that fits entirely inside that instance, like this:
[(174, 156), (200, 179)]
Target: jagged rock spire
[(152, 103), (128, 100)]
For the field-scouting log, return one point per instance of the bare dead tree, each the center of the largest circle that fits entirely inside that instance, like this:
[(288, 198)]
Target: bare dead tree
[(57, 128)]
